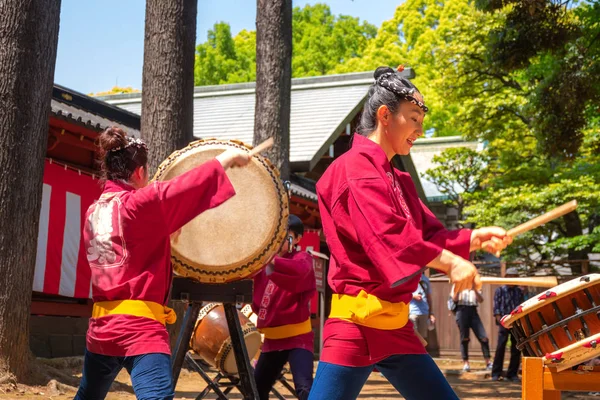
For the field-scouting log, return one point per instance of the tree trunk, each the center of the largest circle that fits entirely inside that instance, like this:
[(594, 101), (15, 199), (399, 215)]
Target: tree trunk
[(168, 77), (28, 40), (168, 88), (574, 228), (273, 79)]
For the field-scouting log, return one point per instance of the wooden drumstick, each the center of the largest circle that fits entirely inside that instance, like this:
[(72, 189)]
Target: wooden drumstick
[(538, 221), (423, 341), (537, 281), (266, 145), (542, 219)]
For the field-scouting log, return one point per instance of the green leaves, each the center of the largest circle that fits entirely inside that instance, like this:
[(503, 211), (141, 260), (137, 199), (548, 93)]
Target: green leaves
[(321, 43), (512, 206), (223, 59)]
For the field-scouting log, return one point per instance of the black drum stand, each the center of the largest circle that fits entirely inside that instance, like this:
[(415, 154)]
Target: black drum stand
[(231, 295)]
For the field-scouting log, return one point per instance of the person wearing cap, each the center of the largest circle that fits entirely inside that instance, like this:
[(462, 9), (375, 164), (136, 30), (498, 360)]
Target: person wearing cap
[(282, 293), (506, 299)]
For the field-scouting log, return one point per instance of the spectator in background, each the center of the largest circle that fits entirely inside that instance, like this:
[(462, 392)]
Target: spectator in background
[(467, 318), (420, 307), (506, 299)]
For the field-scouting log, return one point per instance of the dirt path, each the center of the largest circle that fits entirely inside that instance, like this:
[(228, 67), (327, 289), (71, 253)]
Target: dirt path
[(474, 385)]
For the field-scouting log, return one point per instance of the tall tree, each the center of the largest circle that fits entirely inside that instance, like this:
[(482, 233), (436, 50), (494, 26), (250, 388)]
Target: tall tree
[(168, 87), (168, 77), (28, 41), (274, 79)]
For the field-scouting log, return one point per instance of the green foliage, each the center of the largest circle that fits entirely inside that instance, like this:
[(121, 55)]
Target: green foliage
[(223, 59), (512, 206), (321, 42)]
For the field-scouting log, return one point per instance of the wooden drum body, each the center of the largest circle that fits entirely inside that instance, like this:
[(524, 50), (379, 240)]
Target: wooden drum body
[(236, 239), (562, 325), (212, 342)]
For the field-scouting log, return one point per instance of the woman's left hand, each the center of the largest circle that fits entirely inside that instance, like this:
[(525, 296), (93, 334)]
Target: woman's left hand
[(493, 239)]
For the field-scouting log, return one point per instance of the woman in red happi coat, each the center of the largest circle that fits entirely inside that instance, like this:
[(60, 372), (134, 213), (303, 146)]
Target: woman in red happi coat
[(381, 238), (127, 239)]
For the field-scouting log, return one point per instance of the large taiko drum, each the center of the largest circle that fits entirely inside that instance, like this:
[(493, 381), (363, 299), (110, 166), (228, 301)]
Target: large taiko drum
[(212, 342), (562, 325), (234, 240)]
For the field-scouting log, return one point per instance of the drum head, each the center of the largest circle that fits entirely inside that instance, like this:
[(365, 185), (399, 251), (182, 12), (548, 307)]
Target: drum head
[(232, 241)]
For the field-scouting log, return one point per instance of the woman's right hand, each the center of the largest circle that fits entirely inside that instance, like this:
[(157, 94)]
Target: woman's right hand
[(234, 158), (463, 274)]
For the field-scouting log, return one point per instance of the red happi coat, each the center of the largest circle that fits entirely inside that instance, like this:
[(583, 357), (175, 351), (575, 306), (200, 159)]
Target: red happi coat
[(127, 239), (381, 237), (282, 298)]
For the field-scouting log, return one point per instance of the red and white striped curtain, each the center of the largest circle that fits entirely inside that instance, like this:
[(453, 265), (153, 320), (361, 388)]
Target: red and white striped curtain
[(61, 266)]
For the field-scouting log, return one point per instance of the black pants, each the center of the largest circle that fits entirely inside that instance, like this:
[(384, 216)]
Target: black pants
[(270, 365), (515, 354), (468, 318)]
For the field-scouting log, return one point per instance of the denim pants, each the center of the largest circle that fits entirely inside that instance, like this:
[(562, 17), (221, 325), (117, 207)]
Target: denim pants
[(468, 318), (515, 354), (150, 375), (270, 365), (414, 376)]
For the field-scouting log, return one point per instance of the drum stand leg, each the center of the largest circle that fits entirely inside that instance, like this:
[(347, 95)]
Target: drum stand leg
[(183, 340), (248, 384), (212, 384)]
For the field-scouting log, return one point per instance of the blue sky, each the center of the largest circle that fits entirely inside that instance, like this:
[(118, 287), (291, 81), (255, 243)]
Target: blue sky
[(101, 42)]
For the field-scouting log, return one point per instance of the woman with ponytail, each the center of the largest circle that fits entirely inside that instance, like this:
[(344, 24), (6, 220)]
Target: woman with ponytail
[(381, 238), (127, 239)]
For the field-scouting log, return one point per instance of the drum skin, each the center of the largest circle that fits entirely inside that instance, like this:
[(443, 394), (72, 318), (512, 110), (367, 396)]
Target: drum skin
[(561, 325), (234, 240), (212, 342)]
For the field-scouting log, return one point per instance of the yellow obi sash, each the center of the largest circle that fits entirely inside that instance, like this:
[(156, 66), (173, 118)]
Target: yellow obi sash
[(286, 331), (138, 308), (367, 310)]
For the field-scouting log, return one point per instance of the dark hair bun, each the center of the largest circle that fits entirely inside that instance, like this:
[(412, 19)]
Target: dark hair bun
[(112, 138), (382, 70)]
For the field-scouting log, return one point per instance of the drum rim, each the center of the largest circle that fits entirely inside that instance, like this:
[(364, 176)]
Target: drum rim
[(276, 240), (535, 303), (571, 351)]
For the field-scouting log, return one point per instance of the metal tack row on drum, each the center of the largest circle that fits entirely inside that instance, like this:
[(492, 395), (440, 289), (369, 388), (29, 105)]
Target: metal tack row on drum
[(561, 325), (237, 238)]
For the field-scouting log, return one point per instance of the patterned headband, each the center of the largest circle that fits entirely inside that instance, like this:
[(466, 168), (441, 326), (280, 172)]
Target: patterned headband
[(132, 141), (390, 82)]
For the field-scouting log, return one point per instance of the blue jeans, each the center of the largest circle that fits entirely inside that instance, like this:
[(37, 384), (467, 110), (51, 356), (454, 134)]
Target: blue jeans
[(150, 375), (415, 376)]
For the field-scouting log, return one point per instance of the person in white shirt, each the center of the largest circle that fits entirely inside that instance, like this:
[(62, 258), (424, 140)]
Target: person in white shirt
[(467, 318)]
